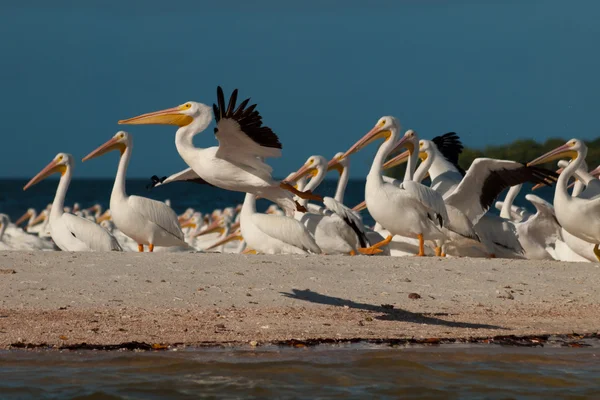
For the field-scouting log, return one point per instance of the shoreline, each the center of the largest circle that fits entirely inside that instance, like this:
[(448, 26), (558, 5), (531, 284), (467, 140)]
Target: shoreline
[(169, 300)]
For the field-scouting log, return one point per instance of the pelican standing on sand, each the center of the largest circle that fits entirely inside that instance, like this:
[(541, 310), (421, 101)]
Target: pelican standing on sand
[(237, 164), (68, 231), (408, 209), (148, 222)]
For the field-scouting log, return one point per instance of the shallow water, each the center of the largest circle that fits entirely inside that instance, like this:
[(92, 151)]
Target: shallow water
[(348, 372)]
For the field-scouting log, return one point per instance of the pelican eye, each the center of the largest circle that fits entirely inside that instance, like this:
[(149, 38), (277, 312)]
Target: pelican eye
[(60, 158)]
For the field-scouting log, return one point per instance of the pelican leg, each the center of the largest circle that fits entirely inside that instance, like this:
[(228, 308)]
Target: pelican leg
[(597, 252), (421, 252), (307, 195), (438, 251), (151, 248), (352, 253), (141, 248), (249, 251), (375, 249)]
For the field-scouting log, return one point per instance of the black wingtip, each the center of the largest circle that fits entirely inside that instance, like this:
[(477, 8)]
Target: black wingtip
[(155, 180)]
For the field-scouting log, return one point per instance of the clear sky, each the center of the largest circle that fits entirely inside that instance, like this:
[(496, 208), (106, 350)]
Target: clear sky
[(322, 73)]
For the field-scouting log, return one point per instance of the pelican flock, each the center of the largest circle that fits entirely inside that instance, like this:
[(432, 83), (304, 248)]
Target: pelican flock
[(449, 217)]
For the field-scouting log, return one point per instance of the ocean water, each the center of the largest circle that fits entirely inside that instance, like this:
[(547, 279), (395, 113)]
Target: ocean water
[(343, 372), (87, 192)]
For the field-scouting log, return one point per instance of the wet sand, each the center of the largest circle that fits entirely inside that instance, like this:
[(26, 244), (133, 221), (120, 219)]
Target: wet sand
[(66, 299)]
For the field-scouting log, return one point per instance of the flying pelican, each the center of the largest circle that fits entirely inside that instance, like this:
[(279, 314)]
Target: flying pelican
[(148, 222), (580, 217), (68, 231), (237, 163)]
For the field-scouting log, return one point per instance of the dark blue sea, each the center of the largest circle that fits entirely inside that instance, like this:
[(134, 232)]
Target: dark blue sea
[(87, 192), (324, 372)]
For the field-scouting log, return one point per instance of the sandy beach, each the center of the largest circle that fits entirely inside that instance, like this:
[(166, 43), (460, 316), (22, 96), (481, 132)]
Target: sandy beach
[(67, 299)]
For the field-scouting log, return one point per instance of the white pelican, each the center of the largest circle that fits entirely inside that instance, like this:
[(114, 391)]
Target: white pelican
[(14, 238), (336, 228), (69, 232), (580, 217), (274, 234), (237, 163), (148, 222), (537, 233), (409, 208)]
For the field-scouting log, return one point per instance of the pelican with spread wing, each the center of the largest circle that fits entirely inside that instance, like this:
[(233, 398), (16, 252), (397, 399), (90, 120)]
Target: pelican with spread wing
[(237, 164)]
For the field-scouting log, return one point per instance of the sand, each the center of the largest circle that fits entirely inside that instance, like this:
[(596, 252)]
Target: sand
[(66, 299)]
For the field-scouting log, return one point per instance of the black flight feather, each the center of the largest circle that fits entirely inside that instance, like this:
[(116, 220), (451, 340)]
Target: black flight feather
[(502, 179), (450, 147), (362, 237), (249, 119)]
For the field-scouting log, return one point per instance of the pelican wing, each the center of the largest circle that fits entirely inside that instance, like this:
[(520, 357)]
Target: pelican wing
[(487, 178), (91, 234), (431, 199), (349, 217), (286, 229), (158, 213), (187, 175), (243, 139), (450, 146)]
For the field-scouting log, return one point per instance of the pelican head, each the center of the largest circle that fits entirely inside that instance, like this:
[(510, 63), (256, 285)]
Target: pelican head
[(383, 129), (28, 214), (567, 150), (425, 147), (120, 142), (59, 164), (182, 115), (310, 168), (338, 162)]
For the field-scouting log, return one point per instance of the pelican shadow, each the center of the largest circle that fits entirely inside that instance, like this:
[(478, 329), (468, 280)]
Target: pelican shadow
[(387, 313)]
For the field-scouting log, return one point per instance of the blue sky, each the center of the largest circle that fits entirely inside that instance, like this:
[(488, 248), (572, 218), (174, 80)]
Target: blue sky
[(322, 73)]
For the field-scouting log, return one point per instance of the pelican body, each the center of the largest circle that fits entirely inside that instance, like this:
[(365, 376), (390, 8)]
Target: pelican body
[(148, 222), (68, 231)]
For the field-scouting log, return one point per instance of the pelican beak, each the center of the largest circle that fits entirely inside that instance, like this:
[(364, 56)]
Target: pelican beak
[(564, 151), (50, 169), (405, 141), (595, 172), (40, 218), (234, 226), (376, 133), (360, 206), (188, 224), (335, 164), (104, 217), (307, 169), (23, 218), (170, 116), (214, 227), (540, 185), (112, 144), (227, 239), (399, 159)]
